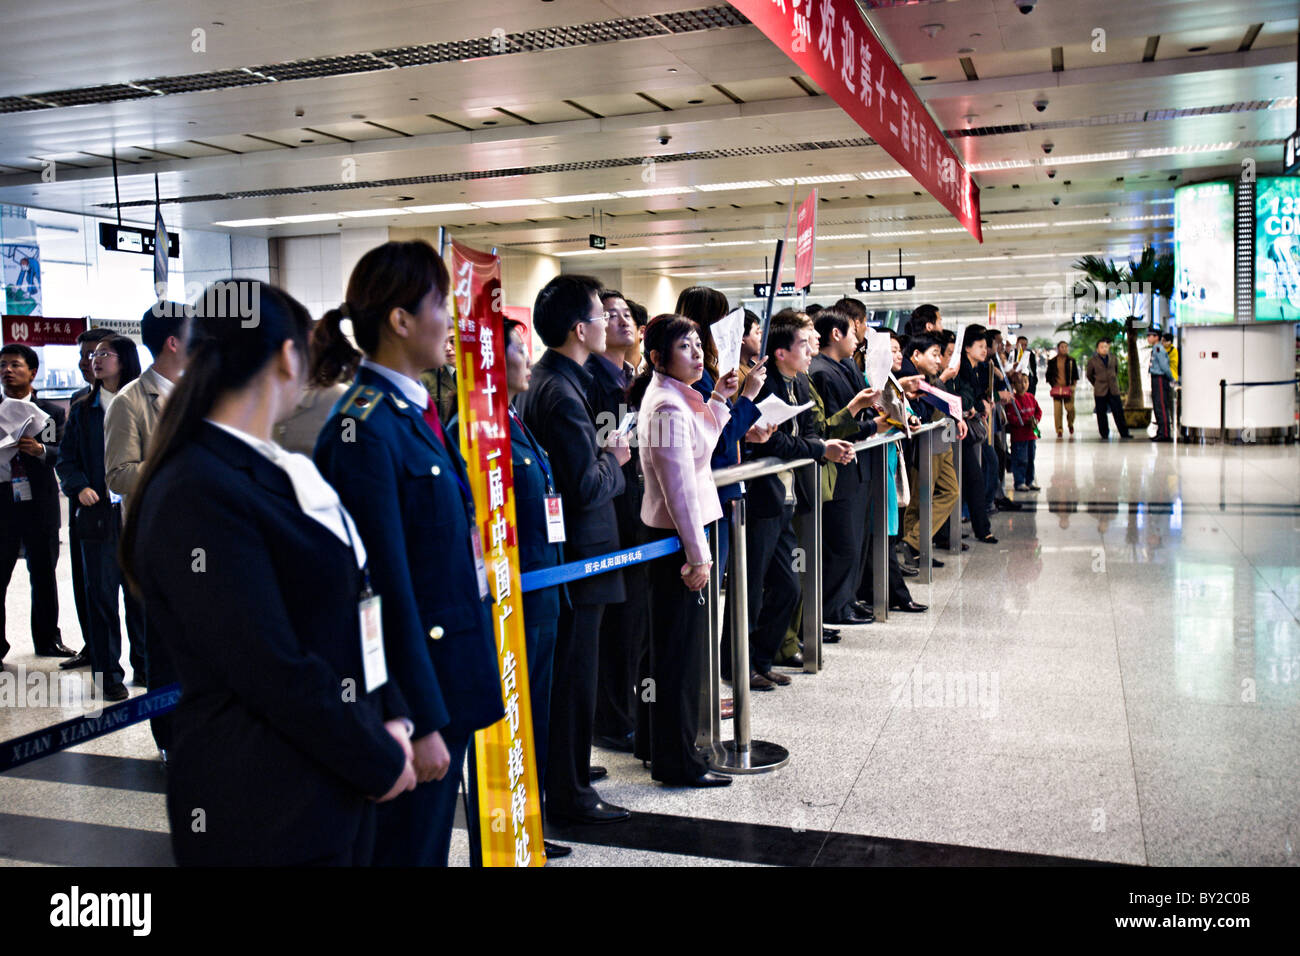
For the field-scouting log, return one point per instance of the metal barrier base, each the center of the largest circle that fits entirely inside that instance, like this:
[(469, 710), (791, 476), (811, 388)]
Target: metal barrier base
[(760, 757)]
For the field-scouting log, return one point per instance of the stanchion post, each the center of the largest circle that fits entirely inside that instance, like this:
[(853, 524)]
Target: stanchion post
[(812, 581), (709, 736), (1223, 411), (954, 523), (742, 754), (880, 535), (924, 504)]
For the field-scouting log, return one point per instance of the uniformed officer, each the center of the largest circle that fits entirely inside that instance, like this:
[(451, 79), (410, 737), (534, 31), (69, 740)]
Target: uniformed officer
[(403, 480)]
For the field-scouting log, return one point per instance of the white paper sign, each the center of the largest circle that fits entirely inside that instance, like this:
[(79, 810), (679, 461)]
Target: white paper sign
[(777, 412), (727, 333), (880, 358)]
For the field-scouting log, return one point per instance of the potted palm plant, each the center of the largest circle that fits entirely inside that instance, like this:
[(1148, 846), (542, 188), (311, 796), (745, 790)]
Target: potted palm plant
[(1151, 275)]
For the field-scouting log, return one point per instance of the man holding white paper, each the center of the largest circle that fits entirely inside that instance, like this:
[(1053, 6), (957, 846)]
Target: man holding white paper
[(29, 495)]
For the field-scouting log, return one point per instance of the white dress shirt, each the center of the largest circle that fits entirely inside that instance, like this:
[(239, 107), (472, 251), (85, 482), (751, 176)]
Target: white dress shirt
[(413, 391), (316, 497)]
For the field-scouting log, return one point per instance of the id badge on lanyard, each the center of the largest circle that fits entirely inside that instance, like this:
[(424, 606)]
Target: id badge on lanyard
[(554, 518), (22, 488), (373, 662)]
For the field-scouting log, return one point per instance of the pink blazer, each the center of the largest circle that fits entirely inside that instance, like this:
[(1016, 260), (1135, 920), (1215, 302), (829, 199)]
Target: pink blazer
[(676, 431)]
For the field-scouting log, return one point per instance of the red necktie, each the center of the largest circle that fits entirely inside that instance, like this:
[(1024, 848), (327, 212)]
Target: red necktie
[(431, 419)]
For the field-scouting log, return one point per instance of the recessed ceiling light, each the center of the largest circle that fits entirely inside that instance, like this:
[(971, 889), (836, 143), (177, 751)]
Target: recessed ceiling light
[(1197, 49), (373, 213), (489, 122), (926, 78), (306, 141), (503, 203), (310, 217), (581, 197), (932, 30), (358, 116), (238, 223), (695, 102), (661, 191), (672, 69), (718, 187)]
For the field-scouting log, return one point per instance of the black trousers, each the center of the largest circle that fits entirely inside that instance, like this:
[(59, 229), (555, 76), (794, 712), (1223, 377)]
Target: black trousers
[(21, 524), (573, 710), (1113, 404), (158, 665), (844, 528), (678, 632), (898, 592), (415, 828), (78, 579), (1162, 401), (773, 586), (103, 581), (624, 632), (539, 639), (972, 485)]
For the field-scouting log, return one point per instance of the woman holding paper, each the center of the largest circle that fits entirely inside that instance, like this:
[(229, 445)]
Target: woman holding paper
[(676, 432), (708, 308)]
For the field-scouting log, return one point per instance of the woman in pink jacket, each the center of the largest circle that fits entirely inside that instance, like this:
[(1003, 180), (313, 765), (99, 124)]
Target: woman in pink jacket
[(676, 433)]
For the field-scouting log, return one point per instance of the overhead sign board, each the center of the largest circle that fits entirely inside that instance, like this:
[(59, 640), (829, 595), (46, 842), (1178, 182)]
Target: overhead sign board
[(595, 241), (885, 283), (131, 239), (831, 42), (805, 245), (760, 289)]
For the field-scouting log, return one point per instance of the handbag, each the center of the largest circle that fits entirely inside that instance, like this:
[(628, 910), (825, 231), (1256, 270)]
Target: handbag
[(902, 489), (978, 429), (1062, 391), (94, 522)]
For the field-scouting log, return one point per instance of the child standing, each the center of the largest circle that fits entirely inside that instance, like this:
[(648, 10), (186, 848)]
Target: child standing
[(1023, 415)]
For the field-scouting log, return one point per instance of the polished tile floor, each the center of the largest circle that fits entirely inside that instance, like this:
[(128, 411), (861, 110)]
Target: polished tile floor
[(1117, 680)]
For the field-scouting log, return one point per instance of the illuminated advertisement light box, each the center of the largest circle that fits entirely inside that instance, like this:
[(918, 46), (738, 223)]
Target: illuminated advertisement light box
[(1277, 249), (1203, 253)]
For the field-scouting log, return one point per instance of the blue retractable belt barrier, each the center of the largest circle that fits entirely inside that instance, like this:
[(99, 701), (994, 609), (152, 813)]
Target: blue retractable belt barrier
[(564, 573), (69, 733)]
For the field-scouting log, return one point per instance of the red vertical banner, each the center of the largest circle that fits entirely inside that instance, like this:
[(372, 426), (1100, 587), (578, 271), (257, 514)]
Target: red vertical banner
[(509, 801), (805, 241), (832, 42)]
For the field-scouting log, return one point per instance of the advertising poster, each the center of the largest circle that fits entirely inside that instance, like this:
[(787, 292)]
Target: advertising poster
[(1203, 253), (20, 268), (1277, 249)]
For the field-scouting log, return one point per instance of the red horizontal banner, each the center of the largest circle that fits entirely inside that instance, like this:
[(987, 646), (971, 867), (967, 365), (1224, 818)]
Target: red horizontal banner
[(831, 42), (37, 330)]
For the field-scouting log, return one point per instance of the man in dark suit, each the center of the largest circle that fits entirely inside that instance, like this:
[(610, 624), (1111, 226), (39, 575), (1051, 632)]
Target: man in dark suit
[(570, 319), (844, 517), (29, 505), (86, 341), (772, 501), (624, 631)]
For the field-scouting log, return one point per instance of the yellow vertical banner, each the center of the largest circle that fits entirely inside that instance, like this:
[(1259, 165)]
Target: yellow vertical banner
[(509, 801)]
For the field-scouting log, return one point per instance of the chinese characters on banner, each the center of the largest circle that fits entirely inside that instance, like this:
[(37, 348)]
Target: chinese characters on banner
[(35, 330), (805, 241), (509, 802), (831, 42)]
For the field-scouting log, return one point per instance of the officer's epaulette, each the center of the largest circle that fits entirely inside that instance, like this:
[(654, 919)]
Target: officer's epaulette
[(360, 401)]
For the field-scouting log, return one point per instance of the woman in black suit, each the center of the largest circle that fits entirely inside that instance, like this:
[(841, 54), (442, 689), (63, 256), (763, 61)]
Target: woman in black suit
[(256, 577), (97, 516), (401, 474)]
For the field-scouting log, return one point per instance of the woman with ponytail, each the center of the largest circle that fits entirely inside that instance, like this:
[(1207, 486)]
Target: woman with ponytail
[(254, 575), (677, 431), (403, 479)]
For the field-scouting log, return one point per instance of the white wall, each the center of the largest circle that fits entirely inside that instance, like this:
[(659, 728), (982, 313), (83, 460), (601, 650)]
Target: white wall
[(1263, 352)]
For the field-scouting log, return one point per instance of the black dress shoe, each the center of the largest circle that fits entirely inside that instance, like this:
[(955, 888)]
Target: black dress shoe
[(780, 680), (1006, 504), (82, 659), (911, 607), (556, 851), (116, 693), (55, 650), (601, 813), (988, 539), (862, 607), (795, 661), (597, 773), (909, 570), (621, 744), (758, 682), (710, 779), (830, 635), (851, 617)]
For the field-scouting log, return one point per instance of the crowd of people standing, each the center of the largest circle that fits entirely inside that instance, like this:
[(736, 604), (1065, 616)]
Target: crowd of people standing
[(285, 510)]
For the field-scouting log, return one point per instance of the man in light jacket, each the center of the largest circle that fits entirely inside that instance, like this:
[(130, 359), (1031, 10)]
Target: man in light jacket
[(128, 426)]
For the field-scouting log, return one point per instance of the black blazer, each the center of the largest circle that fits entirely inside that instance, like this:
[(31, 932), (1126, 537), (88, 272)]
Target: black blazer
[(837, 387), (797, 438), (276, 739), (608, 401), (81, 456), (531, 466), (404, 490), (557, 411), (45, 483)]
